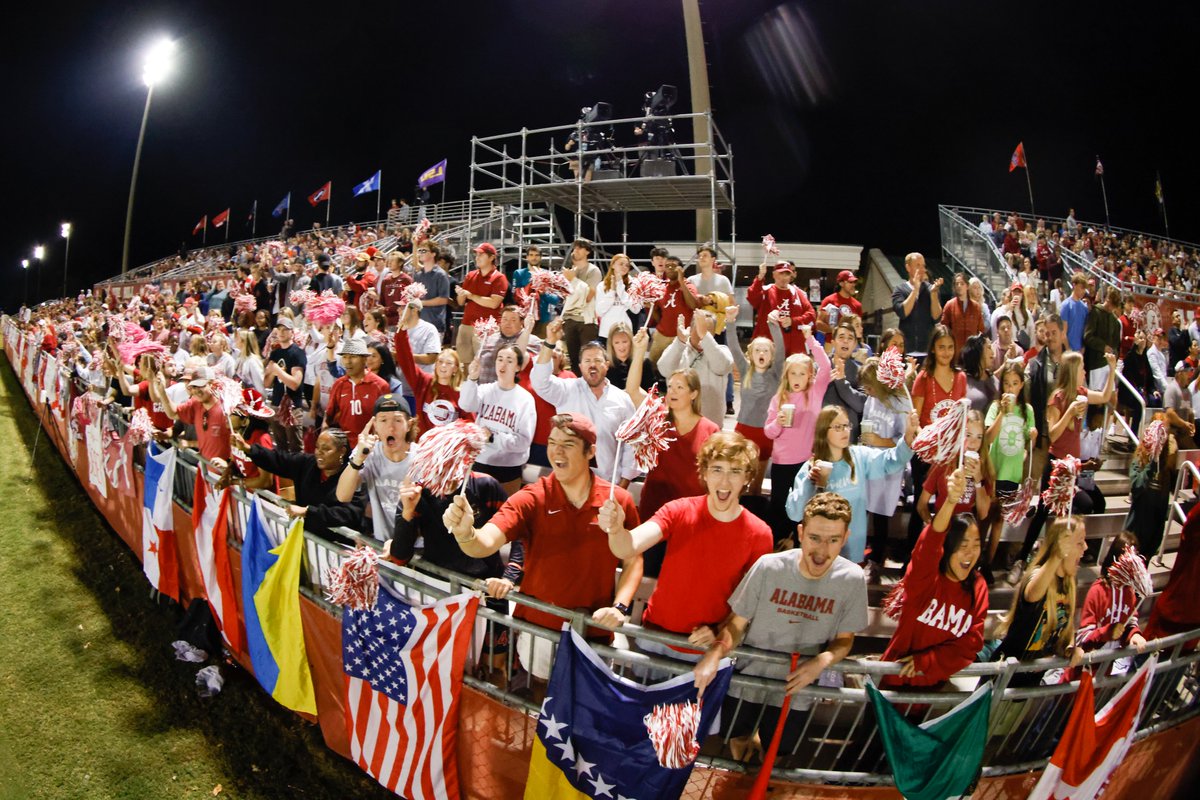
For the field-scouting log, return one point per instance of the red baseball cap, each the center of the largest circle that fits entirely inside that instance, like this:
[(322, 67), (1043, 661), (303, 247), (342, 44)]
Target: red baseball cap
[(785, 266), (486, 247), (577, 424), (846, 275)]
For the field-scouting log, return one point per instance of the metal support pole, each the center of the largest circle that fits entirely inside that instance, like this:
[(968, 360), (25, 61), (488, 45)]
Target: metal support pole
[(579, 173), (522, 242), (66, 258), (137, 160), (701, 102), (712, 185), (732, 220), (471, 191)]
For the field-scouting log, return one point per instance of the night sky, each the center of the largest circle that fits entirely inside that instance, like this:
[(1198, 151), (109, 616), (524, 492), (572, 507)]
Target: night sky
[(850, 121)]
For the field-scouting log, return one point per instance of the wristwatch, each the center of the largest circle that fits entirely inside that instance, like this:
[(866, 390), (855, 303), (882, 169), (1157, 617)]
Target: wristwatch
[(624, 609)]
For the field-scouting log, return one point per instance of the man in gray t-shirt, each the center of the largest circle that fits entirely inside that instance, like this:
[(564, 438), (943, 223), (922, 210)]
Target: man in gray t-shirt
[(809, 601), (380, 462)]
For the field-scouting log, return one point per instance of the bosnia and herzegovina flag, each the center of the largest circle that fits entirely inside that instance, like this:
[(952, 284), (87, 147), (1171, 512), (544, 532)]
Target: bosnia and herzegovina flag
[(271, 605), (938, 759), (601, 735), (160, 559)]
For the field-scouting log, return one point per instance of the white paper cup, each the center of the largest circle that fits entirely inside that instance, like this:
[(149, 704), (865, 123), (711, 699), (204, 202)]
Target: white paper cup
[(787, 415)]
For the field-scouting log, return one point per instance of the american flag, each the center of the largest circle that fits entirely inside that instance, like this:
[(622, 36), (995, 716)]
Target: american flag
[(404, 667)]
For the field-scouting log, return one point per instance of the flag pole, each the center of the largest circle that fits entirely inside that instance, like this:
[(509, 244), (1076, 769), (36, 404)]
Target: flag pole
[(329, 204), (254, 220), (1104, 193), (227, 221), (1029, 183), (204, 233), (1162, 201), (378, 195)]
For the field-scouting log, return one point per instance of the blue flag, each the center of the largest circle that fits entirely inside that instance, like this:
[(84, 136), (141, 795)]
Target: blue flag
[(606, 736), (284, 204), (371, 184)]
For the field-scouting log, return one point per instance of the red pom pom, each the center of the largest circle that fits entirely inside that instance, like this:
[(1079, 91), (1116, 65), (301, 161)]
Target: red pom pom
[(1129, 570), (1061, 491), (486, 327), (445, 455), (891, 369), (648, 431), (646, 289), (893, 604), (355, 584), (548, 281), (940, 440), (673, 731)]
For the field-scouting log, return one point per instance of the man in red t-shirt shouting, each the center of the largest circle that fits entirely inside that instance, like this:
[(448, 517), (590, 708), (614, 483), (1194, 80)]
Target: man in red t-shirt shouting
[(480, 294), (352, 396)]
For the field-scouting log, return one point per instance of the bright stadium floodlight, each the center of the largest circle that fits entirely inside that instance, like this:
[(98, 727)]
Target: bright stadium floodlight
[(159, 60), (65, 231), (24, 263), (39, 252)]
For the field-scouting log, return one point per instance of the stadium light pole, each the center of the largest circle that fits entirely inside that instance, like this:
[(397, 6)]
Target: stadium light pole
[(156, 67), (701, 104), (39, 255), (25, 269), (66, 234)]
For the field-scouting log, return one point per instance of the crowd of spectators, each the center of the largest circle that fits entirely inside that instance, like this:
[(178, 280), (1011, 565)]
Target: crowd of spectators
[(329, 414)]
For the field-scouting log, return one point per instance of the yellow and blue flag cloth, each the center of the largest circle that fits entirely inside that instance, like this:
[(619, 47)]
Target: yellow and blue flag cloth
[(271, 605), (603, 736)]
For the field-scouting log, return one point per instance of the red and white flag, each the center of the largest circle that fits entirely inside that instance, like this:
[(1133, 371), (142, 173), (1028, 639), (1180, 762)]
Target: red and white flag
[(210, 525), (1018, 157), (201, 225), (221, 219), (404, 667), (1092, 745), (320, 195), (160, 558)]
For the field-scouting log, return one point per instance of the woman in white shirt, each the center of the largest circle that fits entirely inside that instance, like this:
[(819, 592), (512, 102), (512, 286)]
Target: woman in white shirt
[(507, 412), (612, 300), (249, 362)]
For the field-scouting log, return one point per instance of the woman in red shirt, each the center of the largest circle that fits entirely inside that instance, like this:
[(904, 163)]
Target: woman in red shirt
[(945, 599), (938, 380), (436, 395), (675, 474)]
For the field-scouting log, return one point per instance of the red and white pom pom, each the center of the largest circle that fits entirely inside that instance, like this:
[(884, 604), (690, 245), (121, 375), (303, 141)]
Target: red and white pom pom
[(275, 247), (324, 309), (141, 429), (134, 306), (345, 252), (893, 604), (300, 297), (486, 327), (769, 246), (646, 289), (940, 440), (1016, 505), (1128, 569), (549, 281), (367, 301), (1061, 490), (527, 303), (228, 391), (445, 456), (1154, 438), (648, 431), (891, 370), (422, 231), (673, 731), (300, 339), (271, 343), (245, 302), (116, 329), (413, 293), (130, 352), (354, 584)]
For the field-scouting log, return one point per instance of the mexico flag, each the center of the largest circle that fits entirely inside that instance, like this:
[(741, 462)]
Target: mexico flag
[(1092, 745)]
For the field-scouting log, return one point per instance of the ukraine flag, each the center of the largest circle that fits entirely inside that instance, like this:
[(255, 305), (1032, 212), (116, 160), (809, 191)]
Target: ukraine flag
[(271, 604)]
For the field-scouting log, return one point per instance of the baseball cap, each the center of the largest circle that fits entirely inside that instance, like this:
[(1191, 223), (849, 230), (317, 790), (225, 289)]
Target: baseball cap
[(846, 275), (323, 259), (577, 424), (389, 402), (486, 247), (363, 256), (201, 376), (354, 347), (785, 266), (285, 322)]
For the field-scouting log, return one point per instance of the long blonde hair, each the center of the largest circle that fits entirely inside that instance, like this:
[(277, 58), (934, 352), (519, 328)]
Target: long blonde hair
[(796, 360), (1067, 380), (746, 380), (868, 378), (1063, 526), (692, 379)]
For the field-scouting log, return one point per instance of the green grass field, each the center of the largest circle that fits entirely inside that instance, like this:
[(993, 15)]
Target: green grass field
[(93, 703)]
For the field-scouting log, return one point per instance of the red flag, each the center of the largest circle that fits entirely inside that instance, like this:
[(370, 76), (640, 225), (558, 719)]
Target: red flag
[(1092, 745), (1018, 157), (404, 667), (210, 527), (201, 225), (221, 219), (320, 195)]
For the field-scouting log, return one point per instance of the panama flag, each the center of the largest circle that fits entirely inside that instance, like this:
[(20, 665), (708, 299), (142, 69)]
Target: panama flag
[(210, 524), (320, 195), (1092, 745), (1018, 157), (160, 560)]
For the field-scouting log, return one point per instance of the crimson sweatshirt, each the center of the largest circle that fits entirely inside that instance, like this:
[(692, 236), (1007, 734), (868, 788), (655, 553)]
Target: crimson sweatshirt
[(1178, 607), (1106, 607), (941, 624)]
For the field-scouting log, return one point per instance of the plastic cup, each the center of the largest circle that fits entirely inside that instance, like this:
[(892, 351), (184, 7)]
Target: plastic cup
[(825, 468), (787, 414)]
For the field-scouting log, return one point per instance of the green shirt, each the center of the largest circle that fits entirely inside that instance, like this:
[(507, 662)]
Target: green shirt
[(1009, 448)]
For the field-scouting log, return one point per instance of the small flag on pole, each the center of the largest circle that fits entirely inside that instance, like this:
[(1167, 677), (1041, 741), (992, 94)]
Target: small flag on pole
[(1018, 157), (221, 219), (435, 174), (320, 195), (1099, 167), (371, 184), (253, 212), (1158, 192), (201, 225), (284, 205)]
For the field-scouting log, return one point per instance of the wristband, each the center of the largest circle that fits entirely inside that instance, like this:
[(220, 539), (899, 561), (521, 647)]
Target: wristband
[(624, 609), (353, 465)]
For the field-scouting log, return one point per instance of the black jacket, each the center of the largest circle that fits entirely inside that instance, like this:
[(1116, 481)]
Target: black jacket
[(312, 491)]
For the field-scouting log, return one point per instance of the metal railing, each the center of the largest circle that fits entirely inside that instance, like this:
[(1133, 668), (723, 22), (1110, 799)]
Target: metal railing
[(838, 742), (972, 251)]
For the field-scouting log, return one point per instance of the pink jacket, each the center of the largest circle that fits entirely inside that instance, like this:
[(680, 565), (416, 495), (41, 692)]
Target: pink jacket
[(794, 445)]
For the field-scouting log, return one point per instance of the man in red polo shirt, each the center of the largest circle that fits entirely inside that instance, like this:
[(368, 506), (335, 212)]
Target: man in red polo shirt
[(567, 557), (352, 396), (840, 303), (791, 303), (713, 543), (481, 294), (202, 410)]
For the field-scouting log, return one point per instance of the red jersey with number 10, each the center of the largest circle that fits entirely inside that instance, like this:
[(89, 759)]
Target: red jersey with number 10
[(352, 404)]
